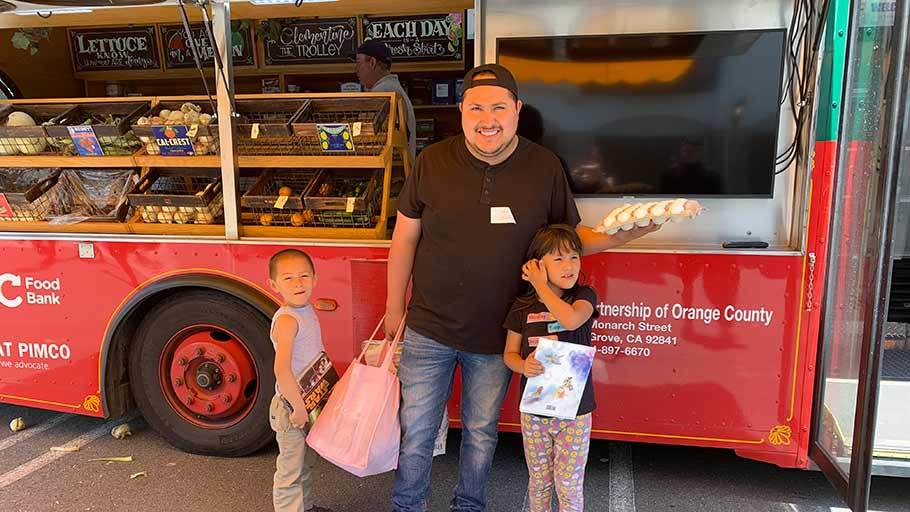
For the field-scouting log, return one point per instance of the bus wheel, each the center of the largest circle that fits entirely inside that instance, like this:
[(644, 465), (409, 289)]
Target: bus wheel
[(201, 373)]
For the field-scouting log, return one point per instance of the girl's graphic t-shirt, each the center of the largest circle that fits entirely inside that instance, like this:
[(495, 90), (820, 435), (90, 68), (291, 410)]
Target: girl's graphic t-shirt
[(533, 321)]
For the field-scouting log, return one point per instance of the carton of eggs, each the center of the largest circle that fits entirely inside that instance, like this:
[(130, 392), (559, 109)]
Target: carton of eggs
[(630, 215)]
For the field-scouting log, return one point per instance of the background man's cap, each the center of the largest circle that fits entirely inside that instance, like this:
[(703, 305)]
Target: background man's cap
[(503, 78), (376, 49)]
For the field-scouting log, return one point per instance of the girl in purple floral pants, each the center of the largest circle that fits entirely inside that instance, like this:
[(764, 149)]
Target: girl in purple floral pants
[(556, 307)]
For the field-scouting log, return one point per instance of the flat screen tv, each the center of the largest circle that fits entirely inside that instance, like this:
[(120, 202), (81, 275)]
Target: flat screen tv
[(693, 114)]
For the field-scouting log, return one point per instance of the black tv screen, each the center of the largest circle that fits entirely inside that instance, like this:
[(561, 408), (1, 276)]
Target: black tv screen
[(692, 114)]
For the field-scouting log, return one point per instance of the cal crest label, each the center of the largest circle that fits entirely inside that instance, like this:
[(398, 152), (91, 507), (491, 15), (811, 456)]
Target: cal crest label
[(173, 140)]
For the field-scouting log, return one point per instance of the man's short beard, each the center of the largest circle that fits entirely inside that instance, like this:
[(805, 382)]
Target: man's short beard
[(496, 152)]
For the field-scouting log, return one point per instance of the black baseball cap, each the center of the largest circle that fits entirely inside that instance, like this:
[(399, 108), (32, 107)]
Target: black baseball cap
[(376, 49), (502, 78)]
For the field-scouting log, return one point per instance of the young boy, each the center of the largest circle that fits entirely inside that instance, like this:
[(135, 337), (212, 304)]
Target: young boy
[(298, 341)]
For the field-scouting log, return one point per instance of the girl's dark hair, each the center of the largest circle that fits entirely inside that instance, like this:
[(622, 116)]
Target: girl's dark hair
[(553, 238)]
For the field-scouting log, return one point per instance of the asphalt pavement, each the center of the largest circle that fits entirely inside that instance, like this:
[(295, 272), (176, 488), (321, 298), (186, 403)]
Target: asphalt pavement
[(620, 477)]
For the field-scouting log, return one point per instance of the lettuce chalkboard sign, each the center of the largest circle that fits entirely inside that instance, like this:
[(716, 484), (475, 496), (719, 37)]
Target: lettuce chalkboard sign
[(115, 49)]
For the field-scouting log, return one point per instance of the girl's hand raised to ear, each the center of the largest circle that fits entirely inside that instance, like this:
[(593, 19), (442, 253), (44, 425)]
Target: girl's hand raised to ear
[(534, 273), (532, 367)]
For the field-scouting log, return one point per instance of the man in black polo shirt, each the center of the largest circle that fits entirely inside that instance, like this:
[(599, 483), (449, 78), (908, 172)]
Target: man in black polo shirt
[(466, 215)]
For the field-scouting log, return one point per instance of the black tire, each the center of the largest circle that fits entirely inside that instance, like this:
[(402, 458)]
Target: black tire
[(160, 324)]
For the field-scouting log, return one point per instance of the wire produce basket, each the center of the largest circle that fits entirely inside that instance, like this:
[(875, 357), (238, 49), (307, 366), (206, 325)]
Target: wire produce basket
[(92, 195), (361, 121), (196, 119), (110, 124), (179, 196), (28, 194), (264, 127), (276, 198), (345, 198), (21, 130)]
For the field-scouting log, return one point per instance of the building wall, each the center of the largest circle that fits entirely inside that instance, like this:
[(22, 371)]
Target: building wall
[(47, 74)]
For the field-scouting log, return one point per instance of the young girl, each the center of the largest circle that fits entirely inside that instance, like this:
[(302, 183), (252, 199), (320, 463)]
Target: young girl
[(556, 307)]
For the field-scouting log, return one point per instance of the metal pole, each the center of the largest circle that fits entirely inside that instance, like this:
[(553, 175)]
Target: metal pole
[(227, 129)]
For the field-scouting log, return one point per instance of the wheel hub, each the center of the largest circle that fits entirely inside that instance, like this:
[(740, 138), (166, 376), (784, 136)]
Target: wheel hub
[(208, 376)]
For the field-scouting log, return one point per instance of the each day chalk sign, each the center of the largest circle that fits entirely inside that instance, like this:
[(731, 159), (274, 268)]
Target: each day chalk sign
[(335, 137)]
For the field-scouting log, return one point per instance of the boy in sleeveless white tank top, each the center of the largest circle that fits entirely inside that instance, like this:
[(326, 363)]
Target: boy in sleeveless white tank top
[(298, 341)]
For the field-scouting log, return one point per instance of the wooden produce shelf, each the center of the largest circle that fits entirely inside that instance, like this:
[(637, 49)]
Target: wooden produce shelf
[(214, 161), (376, 233), (143, 228), (70, 162), (114, 228), (314, 162)]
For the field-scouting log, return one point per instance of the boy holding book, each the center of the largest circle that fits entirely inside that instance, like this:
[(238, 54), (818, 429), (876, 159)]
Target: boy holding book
[(297, 338)]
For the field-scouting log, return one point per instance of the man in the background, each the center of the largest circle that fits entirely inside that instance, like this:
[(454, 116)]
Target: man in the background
[(372, 63)]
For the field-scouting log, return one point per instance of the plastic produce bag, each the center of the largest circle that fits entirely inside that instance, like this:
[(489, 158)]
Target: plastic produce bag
[(92, 195)]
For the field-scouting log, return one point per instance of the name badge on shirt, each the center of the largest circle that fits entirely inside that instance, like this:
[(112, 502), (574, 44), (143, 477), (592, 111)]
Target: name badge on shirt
[(555, 327), (533, 340), (545, 316), (501, 215)]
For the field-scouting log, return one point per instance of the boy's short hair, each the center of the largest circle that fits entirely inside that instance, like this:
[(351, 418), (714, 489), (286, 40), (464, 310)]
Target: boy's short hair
[(285, 254)]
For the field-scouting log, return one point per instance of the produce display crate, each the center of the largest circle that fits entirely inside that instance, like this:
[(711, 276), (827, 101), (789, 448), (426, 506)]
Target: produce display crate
[(264, 127), (345, 198), (110, 122), (29, 193), (32, 139), (92, 195), (179, 196), (276, 198), (204, 135), (367, 118)]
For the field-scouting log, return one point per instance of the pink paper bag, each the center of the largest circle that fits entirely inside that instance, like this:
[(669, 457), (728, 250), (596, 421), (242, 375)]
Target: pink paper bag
[(358, 428)]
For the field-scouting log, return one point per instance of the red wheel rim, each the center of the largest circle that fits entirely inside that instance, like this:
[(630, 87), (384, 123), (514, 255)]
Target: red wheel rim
[(208, 376)]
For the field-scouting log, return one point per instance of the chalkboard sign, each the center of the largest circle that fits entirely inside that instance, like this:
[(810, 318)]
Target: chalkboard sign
[(437, 37), (114, 49), (295, 41), (177, 52)]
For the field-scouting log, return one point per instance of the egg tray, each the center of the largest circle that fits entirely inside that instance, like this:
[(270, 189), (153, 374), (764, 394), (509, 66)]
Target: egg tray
[(629, 216), (31, 196), (179, 196), (205, 140)]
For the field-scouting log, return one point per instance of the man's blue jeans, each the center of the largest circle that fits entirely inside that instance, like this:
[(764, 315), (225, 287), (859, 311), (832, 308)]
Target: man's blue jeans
[(426, 372)]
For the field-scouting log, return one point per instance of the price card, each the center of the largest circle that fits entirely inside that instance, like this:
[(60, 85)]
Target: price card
[(349, 207), (254, 131), (281, 201)]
